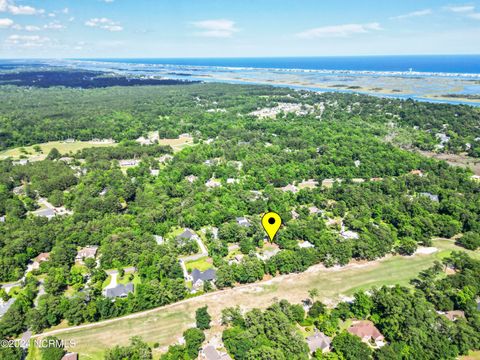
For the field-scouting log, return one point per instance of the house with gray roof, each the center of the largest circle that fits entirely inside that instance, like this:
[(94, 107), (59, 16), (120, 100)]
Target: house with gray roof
[(187, 234), (198, 277), (48, 213), (119, 291), (5, 305), (209, 352), (243, 221), (432, 197), (318, 341)]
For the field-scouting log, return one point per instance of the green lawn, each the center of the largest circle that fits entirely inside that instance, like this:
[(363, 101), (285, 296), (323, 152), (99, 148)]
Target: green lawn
[(63, 147), (201, 264)]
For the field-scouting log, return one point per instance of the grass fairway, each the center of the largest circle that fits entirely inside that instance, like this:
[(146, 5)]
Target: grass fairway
[(61, 146), (177, 144), (165, 325)]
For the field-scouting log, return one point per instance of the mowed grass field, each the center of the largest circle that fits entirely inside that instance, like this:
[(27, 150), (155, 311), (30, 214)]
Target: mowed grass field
[(165, 325), (61, 146), (72, 147)]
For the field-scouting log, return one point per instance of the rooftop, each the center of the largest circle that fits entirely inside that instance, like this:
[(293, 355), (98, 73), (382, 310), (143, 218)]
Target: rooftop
[(318, 341), (119, 291), (207, 275)]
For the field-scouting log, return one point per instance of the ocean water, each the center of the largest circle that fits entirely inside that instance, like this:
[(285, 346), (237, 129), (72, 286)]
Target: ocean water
[(458, 64)]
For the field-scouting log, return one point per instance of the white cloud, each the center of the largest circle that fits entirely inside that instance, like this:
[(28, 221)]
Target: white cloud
[(466, 10), (29, 28), (32, 28), (413, 14), (339, 30), (220, 28), (104, 23), (54, 26), (10, 7), (27, 41), (460, 8), (6, 23)]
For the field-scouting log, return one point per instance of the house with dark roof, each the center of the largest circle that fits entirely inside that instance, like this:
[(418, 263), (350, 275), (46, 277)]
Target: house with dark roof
[(119, 291), (198, 277), (318, 341), (187, 234), (367, 332)]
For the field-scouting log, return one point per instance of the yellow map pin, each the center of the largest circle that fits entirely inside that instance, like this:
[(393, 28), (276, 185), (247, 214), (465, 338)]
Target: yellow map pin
[(271, 222)]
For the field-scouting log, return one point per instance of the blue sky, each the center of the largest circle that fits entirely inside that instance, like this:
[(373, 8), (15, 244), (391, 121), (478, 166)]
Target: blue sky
[(228, 28)]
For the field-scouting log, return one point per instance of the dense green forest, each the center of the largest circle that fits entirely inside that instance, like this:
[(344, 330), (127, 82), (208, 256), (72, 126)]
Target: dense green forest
[(390, 199)]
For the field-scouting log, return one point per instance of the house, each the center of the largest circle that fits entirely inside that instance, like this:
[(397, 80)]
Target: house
[(212, 183), (48, 213), (187, 234), (143, 141), (318, 341), (70, 356), (290, 188), (5, 305), (130, 162), (367, 332), (39, 259), (348, 235), (236, 259), (294, 214), (357, 163), (454, 315), (313, 210), (191, 178), (232, 181), (165, 158), (308, 184), (119, 291), (417, 172), (19, 190), (210, 353), (268, 254), (20, 162), (159, 239), (89, 252), (198, 277), (475, 177), (2, 218), (243, 221), (305, 245), (154, 172), (66, 159), (432, 197)]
